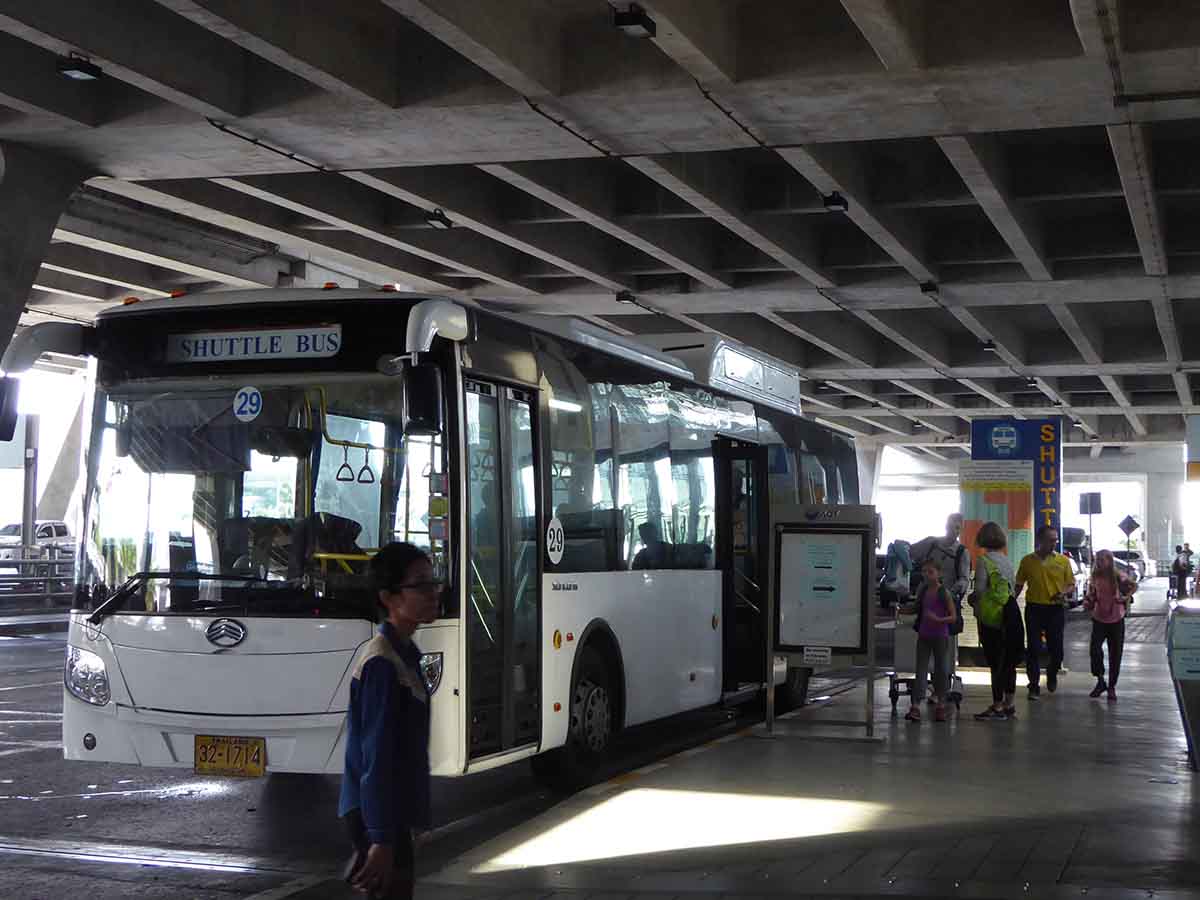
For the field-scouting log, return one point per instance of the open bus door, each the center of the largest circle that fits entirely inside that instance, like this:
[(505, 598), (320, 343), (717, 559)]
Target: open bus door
[(502, 611), (743, 523)]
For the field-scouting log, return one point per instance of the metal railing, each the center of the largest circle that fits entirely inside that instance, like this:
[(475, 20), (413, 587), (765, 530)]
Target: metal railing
[(38, 579)]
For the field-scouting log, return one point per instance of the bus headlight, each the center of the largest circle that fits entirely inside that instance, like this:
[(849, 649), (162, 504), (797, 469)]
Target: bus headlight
[(431, 671), (86, 677)]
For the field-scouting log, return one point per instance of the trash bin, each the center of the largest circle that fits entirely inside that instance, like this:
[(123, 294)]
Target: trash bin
[(1183, 653)]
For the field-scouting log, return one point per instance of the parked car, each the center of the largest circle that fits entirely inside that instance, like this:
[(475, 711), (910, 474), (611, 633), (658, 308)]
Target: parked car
[(48, 534)]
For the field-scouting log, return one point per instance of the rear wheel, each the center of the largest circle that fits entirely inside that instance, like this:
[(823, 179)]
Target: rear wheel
[(794, 690), (591, 729)]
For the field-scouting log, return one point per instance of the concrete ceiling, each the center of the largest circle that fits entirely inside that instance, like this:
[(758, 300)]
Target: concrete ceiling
[(937, 209)]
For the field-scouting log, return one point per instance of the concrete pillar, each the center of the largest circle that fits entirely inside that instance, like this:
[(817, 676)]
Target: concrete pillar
[(29, 500), (34, 189), (56, 496)]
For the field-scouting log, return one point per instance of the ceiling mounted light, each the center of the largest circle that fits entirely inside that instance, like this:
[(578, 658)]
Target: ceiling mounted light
[(929, 288), (835, 202), (438, 219), (1032, 383), (634, 21), (77, 68), (625, 297), (990, 346)]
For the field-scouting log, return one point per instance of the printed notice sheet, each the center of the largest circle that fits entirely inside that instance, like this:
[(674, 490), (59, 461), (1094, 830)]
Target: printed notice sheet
[(820, 589)]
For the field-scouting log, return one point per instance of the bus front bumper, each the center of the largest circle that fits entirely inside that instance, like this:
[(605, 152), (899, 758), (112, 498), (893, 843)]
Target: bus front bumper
[(306, 743)]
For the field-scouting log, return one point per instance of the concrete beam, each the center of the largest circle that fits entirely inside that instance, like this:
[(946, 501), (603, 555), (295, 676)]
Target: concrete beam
[(237, 212), (1062, 403), (28, 84), (715, 185), (343, 50), (1164, 318), (65, 285), (910, 332), (139, 42), (1097, 24), (1116, 387), (987, 390), (895, 29), (1183, 387), (980, 162), (465, 194), (1095, 451), (1083, 330), (138, 277), (518, 42), (926, 390), (864, 392), (837, 334), (839, 169), (700, 35), (584, 190), (930, 451), (1131, 150), (757, 332), (34, 190), (358, 209)]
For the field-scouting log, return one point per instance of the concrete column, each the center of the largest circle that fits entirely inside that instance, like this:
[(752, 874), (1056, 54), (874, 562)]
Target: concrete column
[(29, 500), (56, 496), (34, 189)]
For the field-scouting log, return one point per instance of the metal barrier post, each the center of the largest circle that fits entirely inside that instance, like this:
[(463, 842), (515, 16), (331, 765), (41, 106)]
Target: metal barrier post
[(29, 504)]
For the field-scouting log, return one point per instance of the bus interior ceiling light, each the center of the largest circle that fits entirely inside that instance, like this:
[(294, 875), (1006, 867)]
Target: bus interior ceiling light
[(634, 21), (439, 219), (835, 202), (77, 68)]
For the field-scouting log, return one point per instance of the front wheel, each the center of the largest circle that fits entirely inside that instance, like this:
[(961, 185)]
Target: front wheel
[(590, 733)]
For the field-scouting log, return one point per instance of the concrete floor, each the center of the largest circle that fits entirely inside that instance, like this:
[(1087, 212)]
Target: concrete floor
[(1076, 795)]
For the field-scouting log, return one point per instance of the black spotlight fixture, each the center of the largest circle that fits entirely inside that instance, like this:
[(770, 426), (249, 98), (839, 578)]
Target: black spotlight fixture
[(438, 219), (625, 297), (77, 68), (929, 288), (835, 202), (990, 346), (634, 21)]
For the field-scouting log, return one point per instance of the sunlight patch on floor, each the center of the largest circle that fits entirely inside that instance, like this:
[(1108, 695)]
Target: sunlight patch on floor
[(650, 820)]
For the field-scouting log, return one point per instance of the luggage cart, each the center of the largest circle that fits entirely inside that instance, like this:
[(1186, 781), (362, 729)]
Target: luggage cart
[(902, 679)]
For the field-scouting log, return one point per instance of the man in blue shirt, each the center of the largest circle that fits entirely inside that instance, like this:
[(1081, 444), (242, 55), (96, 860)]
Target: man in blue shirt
[(385, 787)]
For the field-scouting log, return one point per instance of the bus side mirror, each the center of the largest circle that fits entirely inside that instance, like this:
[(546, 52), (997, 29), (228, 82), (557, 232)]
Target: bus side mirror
[(424, 411), (10, 388)]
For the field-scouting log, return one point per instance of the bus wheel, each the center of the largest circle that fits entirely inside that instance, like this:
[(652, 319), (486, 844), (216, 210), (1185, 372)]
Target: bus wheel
[(575, 765), (794, 691)]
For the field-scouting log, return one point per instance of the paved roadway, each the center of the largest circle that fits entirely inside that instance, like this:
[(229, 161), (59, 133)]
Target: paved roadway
[(101, 830)]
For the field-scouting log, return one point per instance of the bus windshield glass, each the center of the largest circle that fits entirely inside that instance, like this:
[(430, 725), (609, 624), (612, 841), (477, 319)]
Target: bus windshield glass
[(272, 498)]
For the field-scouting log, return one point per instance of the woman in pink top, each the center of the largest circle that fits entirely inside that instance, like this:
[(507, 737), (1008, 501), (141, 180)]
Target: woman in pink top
[(1108, 599)]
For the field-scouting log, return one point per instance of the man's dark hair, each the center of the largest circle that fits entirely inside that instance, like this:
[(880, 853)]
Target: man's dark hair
[(390, 566), (1047, 529), (1179, 548)]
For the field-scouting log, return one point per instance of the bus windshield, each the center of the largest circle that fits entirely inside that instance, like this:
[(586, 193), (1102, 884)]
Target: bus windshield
[(272, 499)]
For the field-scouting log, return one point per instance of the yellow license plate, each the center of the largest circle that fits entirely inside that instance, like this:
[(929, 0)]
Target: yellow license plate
[(223, 755)]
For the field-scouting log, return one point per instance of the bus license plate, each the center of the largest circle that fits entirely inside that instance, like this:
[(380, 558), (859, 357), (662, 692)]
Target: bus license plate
[(223, 755)]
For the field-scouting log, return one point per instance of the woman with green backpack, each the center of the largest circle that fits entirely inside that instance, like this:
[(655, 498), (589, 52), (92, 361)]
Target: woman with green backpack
[(1000, 628)]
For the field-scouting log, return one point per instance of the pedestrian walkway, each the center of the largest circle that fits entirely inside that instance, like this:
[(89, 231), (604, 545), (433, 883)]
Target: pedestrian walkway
[(1076, 797)]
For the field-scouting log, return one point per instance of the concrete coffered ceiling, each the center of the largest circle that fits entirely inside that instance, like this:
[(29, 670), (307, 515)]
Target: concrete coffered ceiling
[(936, 209)]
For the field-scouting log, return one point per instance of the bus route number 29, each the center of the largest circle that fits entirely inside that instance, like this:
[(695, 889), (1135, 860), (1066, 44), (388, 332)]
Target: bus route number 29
[(247, 404), (555, 541)]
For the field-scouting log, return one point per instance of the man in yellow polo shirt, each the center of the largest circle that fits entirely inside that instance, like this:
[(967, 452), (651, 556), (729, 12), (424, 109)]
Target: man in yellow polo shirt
[(1048, 578)]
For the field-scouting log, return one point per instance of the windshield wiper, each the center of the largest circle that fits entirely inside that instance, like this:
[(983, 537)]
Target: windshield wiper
[(125, 591)]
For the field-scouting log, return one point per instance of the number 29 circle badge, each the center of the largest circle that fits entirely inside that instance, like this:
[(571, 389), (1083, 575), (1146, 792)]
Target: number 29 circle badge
[(247, 404), (555, 541)]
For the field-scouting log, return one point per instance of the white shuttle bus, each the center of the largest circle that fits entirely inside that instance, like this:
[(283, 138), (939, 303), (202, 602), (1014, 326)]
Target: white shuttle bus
[(597, 506)]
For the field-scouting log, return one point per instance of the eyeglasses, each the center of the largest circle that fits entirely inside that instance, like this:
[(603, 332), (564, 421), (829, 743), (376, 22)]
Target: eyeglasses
[(425, 587)]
